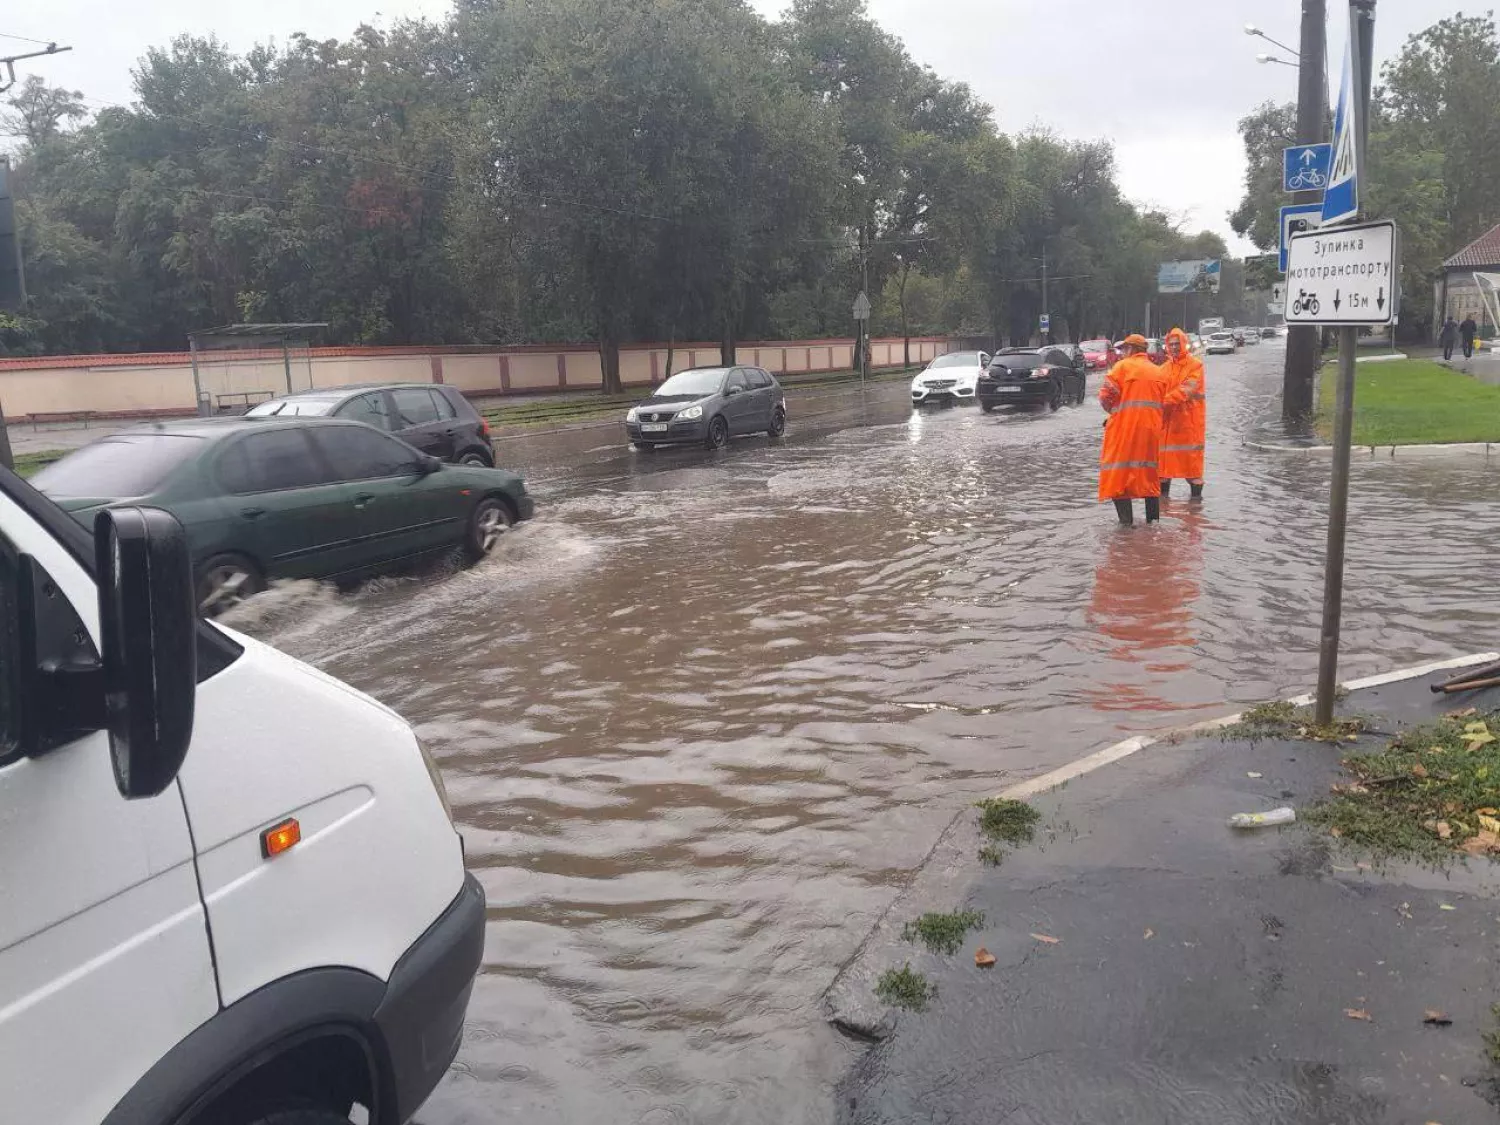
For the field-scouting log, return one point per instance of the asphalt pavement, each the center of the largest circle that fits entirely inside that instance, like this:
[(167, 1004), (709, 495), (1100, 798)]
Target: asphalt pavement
[(1154, 965)]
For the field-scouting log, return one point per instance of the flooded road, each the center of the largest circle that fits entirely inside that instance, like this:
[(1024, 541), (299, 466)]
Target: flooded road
[(703, 717)]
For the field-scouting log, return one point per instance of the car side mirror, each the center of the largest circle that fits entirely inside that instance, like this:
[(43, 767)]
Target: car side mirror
[(428, 464), (730, 392), (148, 631)]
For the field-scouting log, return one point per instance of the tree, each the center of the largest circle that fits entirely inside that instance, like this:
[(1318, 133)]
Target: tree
[(40, 112)]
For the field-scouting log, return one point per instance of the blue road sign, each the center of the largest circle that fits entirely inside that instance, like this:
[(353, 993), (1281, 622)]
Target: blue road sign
[(1305, 168), (1341, 196), (1046, 322), (1295, 219)]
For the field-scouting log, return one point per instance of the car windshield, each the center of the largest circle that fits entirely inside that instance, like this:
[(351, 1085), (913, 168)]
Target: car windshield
[(312, 407), (955, 359), (703, 381), (1026, 362), (1095, 345), (125, 465)]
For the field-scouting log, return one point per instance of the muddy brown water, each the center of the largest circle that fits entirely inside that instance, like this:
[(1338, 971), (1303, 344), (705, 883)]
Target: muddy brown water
[(701, 719)]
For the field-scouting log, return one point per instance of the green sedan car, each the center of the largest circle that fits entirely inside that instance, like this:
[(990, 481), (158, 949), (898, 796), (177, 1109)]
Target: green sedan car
[(299, 497)]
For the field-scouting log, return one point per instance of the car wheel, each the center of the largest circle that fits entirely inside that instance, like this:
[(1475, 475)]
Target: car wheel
[(1056, 400), (490, 520), (718, 433), (474, 457), (643, 446), (1083, 392), (987, 407), (778, 423), (226, 581)]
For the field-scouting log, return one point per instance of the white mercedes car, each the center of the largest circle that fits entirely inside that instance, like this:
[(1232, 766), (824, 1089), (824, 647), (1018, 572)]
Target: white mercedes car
[(950, 377)]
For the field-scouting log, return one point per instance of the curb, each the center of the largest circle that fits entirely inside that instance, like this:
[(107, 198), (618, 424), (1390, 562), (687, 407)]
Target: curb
[(850, 1003), (1371, 452)]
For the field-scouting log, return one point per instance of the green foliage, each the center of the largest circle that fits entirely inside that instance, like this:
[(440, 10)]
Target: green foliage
[(943, 933), (1286, 720), (604, 170), (1007, 821), (905, 988), (1413, 402), (1425, 796)]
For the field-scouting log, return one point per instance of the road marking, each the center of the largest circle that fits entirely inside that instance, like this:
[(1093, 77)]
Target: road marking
[(1046, 782)]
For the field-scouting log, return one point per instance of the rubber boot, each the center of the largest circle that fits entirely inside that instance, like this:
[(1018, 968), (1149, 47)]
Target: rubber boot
[(1166, 489), (1122, 509), (1197, 490), (1153, 509)]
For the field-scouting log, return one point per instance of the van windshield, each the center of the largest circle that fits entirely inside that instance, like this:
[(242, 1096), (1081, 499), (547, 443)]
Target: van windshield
[(126, 465)]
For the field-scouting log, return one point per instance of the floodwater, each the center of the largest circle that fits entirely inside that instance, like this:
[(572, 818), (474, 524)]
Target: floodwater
[(703, 717)]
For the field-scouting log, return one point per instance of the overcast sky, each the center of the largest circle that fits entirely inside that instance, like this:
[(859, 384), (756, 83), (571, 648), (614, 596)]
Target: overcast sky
[(1164, 80)]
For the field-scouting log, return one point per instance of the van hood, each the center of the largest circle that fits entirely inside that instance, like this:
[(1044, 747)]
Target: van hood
[(82, 508)]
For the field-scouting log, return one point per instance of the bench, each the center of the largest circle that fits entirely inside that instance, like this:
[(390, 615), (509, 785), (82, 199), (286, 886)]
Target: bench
[(238, 402), (84, 416)]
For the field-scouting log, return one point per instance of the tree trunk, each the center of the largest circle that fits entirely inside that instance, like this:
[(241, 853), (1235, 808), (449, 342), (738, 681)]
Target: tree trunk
[(609, 361), (727, 343), (671, 340), (901, 300), (5, 455)]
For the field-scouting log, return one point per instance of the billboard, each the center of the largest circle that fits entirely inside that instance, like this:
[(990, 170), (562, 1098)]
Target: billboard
[(1197, 275)]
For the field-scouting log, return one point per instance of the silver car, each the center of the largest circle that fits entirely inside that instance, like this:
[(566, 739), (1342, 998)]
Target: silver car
[(708, 406)]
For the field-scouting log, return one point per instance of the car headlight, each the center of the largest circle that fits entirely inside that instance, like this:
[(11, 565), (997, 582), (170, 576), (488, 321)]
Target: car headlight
[(689, 414), (437, 778), (632, 414)]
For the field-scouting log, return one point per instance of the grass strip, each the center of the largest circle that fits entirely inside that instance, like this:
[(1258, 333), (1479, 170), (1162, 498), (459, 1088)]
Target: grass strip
[(943, 933), (28, 464), (905, 988), (1413, 402)]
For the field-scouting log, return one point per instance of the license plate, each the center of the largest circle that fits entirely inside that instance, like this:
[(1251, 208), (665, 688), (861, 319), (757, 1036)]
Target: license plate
[(1007, 390), (653, 427)]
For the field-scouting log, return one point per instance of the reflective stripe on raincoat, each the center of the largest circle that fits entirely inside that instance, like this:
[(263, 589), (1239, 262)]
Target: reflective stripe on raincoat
[(1187, 421), (1134, 393)]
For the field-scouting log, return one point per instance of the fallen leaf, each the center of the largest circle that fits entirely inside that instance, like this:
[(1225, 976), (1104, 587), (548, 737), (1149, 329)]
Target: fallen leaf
[(983, 958), (1490, 824), (1335, 831), (1443, 829), (1464, 714), (1418, 770), (1358, 1014), (1149, 934), (1481, 843), (1048, 940), (1253, 774), (1435, 1018)]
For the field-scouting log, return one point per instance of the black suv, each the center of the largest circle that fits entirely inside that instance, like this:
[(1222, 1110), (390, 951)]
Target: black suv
[(1031, 376), (434, 418)]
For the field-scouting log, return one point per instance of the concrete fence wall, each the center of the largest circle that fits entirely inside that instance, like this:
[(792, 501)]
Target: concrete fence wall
[(162, 383)]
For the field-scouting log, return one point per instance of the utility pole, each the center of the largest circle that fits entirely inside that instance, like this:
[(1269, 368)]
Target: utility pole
[(1361, 55), (9, 62), (1045, 310), (1302, 350)]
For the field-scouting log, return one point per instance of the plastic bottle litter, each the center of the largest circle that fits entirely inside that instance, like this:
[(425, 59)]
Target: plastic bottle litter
[(1263, 819)]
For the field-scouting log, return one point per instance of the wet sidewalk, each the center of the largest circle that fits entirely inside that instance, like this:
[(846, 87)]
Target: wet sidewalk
[(1154, 965)]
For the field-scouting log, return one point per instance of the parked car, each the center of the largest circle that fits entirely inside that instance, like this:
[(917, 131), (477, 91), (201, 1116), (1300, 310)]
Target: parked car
[(1220, 343), (233, 888), (1100, 355), (437, 419), (949, 378), (708, 406), (1252, 335), (1268, 333), (1027, 376), (300, 497)]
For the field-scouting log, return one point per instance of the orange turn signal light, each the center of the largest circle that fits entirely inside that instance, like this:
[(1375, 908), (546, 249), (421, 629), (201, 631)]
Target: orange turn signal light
[(279, 837)]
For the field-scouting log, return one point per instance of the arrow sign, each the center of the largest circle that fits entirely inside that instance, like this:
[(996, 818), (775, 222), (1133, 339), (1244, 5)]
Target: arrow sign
[(1380, 298), (1305, 167), (1335, 300)]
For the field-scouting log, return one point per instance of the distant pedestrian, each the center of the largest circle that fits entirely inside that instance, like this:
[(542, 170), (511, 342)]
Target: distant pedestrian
[(1468, 330), (1134, 394), (1185, 421), (1448, 337)]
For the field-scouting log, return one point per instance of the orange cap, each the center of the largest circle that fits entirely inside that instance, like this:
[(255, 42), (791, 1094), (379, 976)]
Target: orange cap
[(1135, 339)]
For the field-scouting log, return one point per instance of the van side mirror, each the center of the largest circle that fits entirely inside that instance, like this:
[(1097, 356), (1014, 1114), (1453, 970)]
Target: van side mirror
[(148, 627)]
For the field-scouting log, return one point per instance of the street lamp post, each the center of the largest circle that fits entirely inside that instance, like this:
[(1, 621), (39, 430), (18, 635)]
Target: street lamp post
[(1274, 59)]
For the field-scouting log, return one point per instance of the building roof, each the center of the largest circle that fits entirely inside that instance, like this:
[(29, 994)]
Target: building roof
[(1483, 251)]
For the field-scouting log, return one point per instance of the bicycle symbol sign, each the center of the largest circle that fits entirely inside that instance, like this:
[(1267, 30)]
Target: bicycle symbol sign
[(1306, 167)]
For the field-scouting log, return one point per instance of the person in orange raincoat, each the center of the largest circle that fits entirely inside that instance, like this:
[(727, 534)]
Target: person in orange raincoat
[(1134, 394), (1185, 423)]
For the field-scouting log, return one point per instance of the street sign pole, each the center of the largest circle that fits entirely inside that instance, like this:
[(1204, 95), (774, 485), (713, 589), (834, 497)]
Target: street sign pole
[(1361, 52), (1302, 352)]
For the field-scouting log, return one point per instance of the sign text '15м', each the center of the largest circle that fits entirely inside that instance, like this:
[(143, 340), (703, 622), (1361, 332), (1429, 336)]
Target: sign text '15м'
[(1347, 275)]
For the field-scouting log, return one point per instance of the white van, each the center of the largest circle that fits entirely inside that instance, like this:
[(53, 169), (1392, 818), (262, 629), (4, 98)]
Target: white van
[(230, 889)]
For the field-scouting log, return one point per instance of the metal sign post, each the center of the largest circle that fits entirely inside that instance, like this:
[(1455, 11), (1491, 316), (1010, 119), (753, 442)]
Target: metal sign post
[(1346, 276), (862, 334)]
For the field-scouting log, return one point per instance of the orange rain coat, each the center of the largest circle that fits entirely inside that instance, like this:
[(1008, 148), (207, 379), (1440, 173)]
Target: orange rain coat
[(1187, 422), (1135, 392)]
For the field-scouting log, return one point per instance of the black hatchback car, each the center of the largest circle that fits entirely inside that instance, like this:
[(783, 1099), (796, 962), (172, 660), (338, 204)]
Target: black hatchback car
[(436, 419), (1031, 377)]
